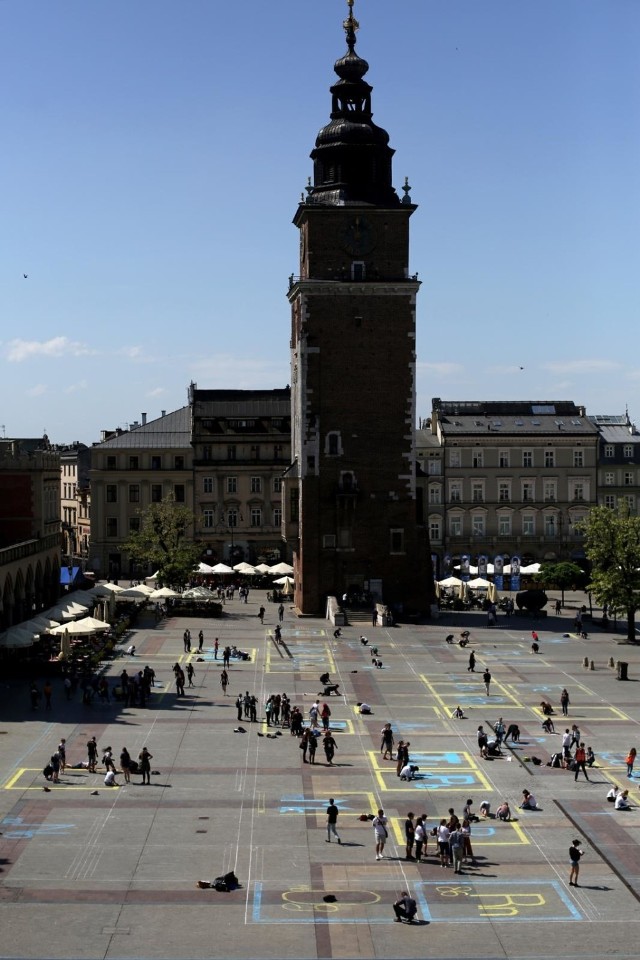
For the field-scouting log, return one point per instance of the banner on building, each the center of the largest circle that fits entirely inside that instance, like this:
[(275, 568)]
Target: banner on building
[(515, 573), (465, 563), (498, 571), (483, 560)]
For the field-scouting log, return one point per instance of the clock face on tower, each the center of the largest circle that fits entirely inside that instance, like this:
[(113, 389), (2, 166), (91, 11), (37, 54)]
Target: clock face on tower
[(357, 237)]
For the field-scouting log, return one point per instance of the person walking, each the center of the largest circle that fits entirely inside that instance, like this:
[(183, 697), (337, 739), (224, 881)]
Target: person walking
[(580, 760), (332, 819), (190, 673), (144, 763), (325, 715), (239, 705), (313, 746), (456, 846), (304, 745), (62, 753), (380, 833), (329, 746), (200, 641), (261, 613), (224, 682), (631, 759), (216, 644), (472, 663), (386, 743), (226, 658), (179, 683), (486, 676), (564, 702), (575, 853), (92, 754), (281, 613)]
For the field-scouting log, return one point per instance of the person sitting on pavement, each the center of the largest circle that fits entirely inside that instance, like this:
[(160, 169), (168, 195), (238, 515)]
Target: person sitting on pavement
[(591, 757), (547, 724), (485, 809), (546, 708), (504, 811), (613, 794), (449, 638), (364, 708), (622, 801), (458, 714), (405, 908), (110, 779), (529, 802)]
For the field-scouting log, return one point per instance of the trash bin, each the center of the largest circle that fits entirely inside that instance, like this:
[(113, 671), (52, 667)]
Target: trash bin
[(623, 669)]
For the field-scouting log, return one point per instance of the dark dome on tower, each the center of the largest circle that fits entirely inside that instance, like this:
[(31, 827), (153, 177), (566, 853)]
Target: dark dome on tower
[(352, 156)]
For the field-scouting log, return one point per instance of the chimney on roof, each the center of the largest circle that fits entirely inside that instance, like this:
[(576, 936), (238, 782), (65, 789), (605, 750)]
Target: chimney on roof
[(144, 418), (163, 413)]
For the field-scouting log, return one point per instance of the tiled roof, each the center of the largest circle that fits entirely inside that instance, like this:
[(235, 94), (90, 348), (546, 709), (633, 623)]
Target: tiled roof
[(172, 430)]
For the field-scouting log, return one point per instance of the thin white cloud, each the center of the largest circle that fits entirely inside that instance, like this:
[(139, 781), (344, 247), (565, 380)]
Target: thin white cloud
[(19, 350), (595, 365), (132, 353), (507, 368), (440, 369), (75, 387), (156, 392), (37, 390)]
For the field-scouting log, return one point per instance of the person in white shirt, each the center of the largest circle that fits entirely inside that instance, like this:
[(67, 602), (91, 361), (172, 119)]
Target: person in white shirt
[(380, 832), (110, 779), (622, 802), (408, 772), (612, 795), (529, 802), (443, 834)]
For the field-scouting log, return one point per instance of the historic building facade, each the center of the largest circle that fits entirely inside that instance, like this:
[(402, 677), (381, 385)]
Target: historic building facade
[(30, 538), (75, 504), (350, 496), (507, 478), (618, 462)]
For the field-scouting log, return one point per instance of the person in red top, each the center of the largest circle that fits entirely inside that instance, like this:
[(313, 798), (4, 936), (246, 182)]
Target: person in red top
[(580, 760)]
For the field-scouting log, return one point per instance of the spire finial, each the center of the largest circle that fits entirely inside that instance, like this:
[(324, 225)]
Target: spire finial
[(350, 26)]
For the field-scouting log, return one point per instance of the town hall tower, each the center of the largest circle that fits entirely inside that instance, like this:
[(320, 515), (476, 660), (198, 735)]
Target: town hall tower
[(350, 501)]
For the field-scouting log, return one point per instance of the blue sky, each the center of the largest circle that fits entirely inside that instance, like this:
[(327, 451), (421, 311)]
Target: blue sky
[(154, 153)]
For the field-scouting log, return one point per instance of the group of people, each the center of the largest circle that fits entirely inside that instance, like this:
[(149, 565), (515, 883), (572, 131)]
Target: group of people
[(58, 763)]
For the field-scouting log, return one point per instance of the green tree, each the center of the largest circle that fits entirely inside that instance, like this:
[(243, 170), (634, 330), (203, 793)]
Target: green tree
[(164, 540), (612, 544), (561, 575)]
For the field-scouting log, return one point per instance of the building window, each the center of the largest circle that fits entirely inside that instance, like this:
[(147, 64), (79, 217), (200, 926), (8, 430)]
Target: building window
[(396, 544), (455, 491), (435, 530), (578, 458), (156, 492), (503, 458), (528, 491), (358, 270), (627, 452), (156, 463), (528, 525), (527, 458), (434, 466), (477, 525), (610, 501), (345, 540), (134, 463), (550, 526), (112, 493), (549, 491), (578, 490), (178, 463), (232, 484), (232, 518), (134, 493), (277, 451), (231, 451), (178, 492), (206, 452), (549, 458), (609, 450), (277, 516), (477, 491), (434, 493), (112, 526), (111, 463), (256, 517), (256, 484), (455, 526), (504, 491), (609, 479), (477, 458), (454, 458), (207, 484), (294, 504), (277, 484), (504, 525), (255, 451), (630, 501), (134, 524), (332, 445), (208, 518), (628, 478)]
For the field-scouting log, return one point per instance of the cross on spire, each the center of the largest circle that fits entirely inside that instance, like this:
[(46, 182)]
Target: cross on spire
[(350, 26)]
